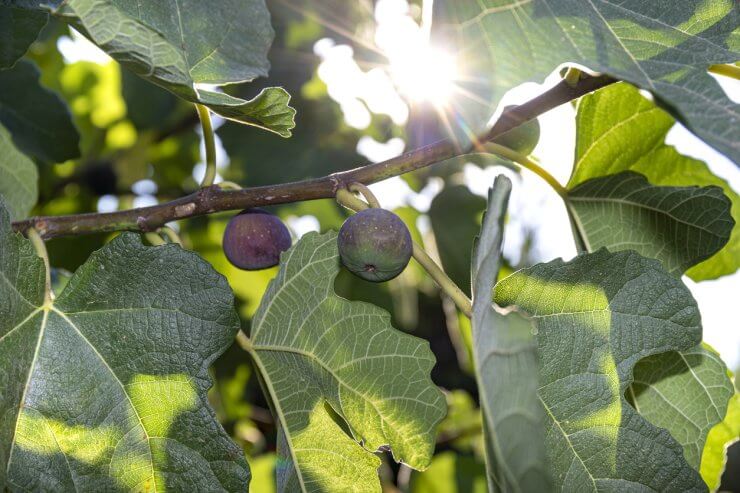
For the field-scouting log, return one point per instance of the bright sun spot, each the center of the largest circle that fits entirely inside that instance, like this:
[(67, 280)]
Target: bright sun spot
[(415, 71), (424, 73), (420, 71)]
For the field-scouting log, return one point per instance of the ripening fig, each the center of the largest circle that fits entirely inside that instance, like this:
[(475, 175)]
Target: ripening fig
[(254, 239), (375, 245), (522, 139)]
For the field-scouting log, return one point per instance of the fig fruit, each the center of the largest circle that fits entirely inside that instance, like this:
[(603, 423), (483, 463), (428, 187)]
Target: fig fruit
[(375, 245), (523, 139), (254, 239)]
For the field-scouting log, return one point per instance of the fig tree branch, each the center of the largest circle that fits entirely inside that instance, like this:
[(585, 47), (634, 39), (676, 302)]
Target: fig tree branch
[(212, 199)]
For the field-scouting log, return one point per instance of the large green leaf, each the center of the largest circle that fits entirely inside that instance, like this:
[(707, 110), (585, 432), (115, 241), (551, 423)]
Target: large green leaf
[(18, 178), (665, 47), (149, 107), (680, 226), (179, 44), (686, 393), (620, 130), (37, 118), (505, 355), (18, 29), (596, 317), (104, 389), (343, 382)]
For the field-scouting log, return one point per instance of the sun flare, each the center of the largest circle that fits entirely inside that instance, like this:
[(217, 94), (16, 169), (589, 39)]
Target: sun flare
[(424, 73)]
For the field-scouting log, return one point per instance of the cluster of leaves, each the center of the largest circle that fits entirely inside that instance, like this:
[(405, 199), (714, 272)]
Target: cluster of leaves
[(590, 374)]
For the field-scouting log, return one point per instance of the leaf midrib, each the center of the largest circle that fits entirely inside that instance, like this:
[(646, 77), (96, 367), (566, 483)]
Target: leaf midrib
[(25, 390), (567, 439), (47, 310), (287, 282), (279, 411), (120, 383), (324, 366)]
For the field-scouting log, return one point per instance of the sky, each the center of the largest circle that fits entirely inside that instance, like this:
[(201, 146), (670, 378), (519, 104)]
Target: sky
[(416, 70)]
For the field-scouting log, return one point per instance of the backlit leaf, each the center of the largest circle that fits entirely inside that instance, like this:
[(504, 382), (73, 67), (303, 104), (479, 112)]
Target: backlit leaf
[(343, 382), (618, 130), (724, 434), (686, 393), (180, 44), (680, 226), (664, 47)]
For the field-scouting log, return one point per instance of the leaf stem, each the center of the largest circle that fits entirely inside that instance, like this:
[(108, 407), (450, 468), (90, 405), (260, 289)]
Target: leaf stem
[(210, 143), (229, 185), (154, 239), (572, 76), (528, 163), (443, 280), (244, 341), (365, 191), (352, 202), (171, 234), (578, 234), (727, 69), (38, 244)]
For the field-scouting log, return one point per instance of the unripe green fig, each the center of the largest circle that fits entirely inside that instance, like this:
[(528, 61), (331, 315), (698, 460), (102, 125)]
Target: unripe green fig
[(254, 239), (522, 139), (375, 245)]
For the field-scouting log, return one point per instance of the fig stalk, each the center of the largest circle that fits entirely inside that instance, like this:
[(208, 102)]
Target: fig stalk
[(40, 247), (528, 163), (210, 144)]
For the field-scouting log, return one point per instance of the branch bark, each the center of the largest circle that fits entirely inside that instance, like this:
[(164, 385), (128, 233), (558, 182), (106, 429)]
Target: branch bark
[(213, 199)]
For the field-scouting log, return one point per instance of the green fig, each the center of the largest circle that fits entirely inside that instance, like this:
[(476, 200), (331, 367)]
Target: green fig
[(375, 245), (522, 139)]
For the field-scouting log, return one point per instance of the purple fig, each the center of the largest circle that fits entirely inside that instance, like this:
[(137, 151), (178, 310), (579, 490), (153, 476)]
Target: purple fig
[(254, 239)]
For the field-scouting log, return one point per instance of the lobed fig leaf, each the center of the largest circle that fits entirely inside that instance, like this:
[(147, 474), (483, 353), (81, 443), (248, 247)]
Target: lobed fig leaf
[(254, 239), (375, 245)]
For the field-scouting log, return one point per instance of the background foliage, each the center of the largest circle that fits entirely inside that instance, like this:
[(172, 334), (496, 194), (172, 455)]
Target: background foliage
[(80, 135)]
